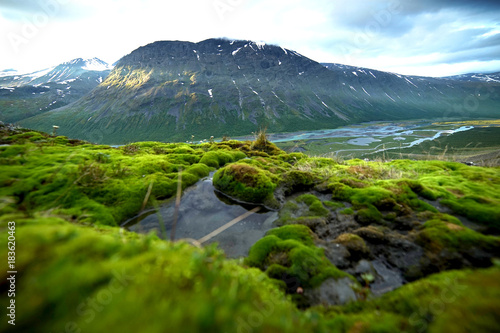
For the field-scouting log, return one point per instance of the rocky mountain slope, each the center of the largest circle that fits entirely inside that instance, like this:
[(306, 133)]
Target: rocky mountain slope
[(172, 90), (26, 95)]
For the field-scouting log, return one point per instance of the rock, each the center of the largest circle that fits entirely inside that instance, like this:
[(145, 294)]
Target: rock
[(338, 255), (331, 292), (354, 244), (336, 225), (364, 266), (386, 279), (372, 234)]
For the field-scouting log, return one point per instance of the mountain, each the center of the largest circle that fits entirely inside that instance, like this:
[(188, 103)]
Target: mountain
[(8, 72), (171, 90), (474, 77), (27, 95)]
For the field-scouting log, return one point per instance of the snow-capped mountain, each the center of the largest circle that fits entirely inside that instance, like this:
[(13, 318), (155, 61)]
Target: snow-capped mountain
[(8, 72), (85, 69), (170, 90), (26, 95), (474, 77)]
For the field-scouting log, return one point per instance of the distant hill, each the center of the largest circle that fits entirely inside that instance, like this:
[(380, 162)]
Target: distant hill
[(474, 77), (172, 90), (26, 95)]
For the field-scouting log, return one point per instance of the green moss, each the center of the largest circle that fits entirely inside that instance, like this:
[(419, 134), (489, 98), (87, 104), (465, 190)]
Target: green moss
[(449, 301), (372, 234), (333, 204), (96, 184), (216, 159), (340, 191), (297, 232), (246, 183), (183, 149), (316, 207), (288, 253), (369, 215), (199, 170), (477, 208), (197, 289), (422, 190), (348, 211), (26, 136), (406, 193), (262, 144), (296, 180), (445, 231), (100, 278), (293, 157), (306, 209), (372, 195), (60, 140), (355, 244)]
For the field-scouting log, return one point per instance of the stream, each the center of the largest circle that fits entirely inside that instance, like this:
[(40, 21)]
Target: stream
[(202, 210)]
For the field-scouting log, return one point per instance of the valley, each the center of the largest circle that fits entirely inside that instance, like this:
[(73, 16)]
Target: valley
[(450, 140)]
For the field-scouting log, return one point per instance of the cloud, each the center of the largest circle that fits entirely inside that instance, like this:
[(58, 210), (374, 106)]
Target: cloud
[(16, 10), (457, 31), (376, 33)]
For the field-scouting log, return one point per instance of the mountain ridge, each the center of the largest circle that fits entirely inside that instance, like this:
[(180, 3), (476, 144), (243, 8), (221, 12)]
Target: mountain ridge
[(27, 95)]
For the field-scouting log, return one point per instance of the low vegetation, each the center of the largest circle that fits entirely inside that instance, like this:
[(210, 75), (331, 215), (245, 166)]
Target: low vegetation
[(435, 222)]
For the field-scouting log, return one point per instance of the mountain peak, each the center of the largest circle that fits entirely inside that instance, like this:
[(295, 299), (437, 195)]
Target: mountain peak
[(165, 52), (90, 64)]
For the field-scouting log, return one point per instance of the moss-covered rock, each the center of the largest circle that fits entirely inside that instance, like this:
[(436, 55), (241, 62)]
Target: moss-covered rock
[(246, 183), (305, 209), (369, 215), (219, 158), (296, 181), (288, 254), (354, 244), (439, 303), (443, 231)]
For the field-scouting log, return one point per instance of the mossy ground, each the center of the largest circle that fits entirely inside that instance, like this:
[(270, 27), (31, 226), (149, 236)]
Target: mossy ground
[(453, 301), (98, 184), (288, 254), (77, 270), (89, 279)]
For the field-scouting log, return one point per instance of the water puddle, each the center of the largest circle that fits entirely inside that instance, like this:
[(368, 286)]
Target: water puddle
[(203, 210), (362, 141)]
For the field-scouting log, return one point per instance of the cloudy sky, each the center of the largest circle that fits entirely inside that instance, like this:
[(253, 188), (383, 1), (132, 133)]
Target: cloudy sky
[(418, 37)]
